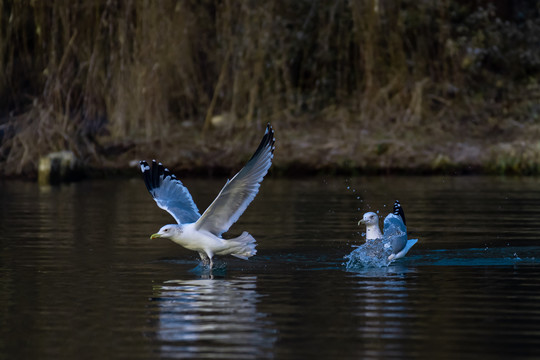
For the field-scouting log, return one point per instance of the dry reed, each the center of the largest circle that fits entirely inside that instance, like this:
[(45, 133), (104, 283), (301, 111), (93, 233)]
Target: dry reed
[(84, 76)]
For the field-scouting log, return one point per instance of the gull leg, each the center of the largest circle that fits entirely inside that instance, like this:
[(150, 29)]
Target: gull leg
[(207, 259), (210, 256), (204, 258)]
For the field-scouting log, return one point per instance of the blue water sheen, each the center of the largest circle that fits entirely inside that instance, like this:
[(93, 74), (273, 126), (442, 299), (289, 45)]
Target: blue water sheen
[(372, 256), (81, 278), (497, 256)]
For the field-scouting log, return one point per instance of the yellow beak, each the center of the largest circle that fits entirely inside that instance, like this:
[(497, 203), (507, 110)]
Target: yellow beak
[(360, 222), (155, 236)]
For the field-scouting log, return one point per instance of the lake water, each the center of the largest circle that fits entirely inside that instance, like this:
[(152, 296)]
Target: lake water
[(80, 278)]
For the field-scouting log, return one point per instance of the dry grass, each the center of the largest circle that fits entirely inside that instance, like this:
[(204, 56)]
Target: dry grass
[(348, 84)]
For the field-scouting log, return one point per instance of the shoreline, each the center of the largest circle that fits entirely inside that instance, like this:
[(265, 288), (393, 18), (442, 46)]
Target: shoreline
[(520, 159), (324, 144)]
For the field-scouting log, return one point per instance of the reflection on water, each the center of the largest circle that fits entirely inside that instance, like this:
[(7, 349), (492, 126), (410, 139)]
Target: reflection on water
[(382, 310), (212, 318), (80, 278)]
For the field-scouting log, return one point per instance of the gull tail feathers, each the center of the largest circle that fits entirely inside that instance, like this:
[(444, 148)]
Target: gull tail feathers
[(243, 246)]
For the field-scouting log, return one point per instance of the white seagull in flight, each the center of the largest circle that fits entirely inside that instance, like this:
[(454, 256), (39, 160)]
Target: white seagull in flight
[(203, 233), (395, 230)]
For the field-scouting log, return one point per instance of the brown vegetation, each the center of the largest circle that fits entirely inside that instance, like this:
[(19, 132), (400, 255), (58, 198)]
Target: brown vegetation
[(381, 85)]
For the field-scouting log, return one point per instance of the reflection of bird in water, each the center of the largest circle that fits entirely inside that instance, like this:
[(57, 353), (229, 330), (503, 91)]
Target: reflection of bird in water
[(204, 318), (203, 233), (395, 231)]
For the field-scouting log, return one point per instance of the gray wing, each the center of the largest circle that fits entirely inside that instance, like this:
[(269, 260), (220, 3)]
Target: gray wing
[(169, 193), (240, 191), (396, 232)]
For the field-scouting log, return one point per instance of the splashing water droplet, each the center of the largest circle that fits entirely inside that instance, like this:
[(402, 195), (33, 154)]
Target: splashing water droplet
[(373, 253)]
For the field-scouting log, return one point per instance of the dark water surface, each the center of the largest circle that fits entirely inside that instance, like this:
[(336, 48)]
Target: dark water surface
[(80, 278)]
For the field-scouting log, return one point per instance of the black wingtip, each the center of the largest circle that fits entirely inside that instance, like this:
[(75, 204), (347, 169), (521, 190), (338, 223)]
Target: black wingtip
[(146, 171), (154, 174), (398, 210), (157, 171), (268, 140)]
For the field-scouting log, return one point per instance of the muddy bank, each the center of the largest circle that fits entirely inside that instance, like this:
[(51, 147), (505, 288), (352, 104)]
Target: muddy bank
[(337, 146), (331, 142)]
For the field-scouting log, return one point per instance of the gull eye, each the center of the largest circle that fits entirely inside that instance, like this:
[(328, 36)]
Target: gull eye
[(166, 230)]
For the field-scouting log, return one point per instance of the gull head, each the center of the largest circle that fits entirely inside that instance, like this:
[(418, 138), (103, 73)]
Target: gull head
[(167, 232), (369, 218)]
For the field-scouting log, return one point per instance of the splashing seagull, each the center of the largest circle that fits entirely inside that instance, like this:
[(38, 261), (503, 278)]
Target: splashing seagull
[(203, 233), (395, 230)]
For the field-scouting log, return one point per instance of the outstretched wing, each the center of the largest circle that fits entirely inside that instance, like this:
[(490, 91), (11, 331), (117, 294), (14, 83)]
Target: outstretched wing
[(398, 210), (169, 193), (240, 191)]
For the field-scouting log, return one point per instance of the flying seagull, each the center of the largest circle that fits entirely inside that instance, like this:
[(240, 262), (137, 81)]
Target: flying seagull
[(202, 233), (395, 230)]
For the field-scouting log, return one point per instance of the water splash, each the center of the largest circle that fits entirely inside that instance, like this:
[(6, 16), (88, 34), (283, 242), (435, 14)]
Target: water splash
[(373, 253), (219, 269)]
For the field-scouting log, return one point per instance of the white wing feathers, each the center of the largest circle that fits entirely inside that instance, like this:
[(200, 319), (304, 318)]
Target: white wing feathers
[(172, 196), (240, 191), (169, 193)]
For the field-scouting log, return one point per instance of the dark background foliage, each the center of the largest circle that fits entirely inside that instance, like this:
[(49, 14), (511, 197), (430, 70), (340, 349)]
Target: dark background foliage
[(349, 84)]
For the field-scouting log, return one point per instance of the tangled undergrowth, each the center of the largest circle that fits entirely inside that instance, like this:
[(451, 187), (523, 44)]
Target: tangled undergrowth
[(420, 86)]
